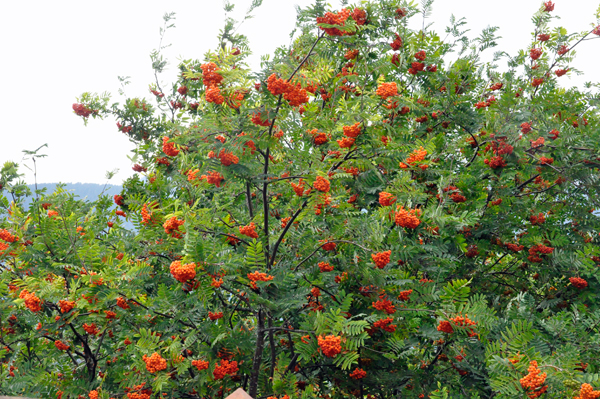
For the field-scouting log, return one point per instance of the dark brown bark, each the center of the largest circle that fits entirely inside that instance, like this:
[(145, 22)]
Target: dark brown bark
[(257, 359)]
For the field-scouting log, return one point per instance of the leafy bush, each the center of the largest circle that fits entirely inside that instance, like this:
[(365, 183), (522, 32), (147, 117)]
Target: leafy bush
[(361, 218)]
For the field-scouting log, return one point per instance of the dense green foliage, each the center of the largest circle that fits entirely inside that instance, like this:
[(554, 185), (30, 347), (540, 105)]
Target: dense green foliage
[(376, 213)]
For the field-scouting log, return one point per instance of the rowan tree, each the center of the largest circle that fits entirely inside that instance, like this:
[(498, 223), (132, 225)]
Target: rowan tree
[(376, 213)]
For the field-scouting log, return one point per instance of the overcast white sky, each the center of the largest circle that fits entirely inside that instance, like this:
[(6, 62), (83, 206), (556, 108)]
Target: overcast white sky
[(53, 51)]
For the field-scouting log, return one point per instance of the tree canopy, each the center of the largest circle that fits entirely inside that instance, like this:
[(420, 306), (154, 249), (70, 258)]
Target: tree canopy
[(375, 213)]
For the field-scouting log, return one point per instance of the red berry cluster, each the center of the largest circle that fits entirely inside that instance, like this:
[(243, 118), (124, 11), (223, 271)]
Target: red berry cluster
[(385, 324), (330, 345), (578, 282), (225, 368), (381, 259), (183, 273), (154, 363), (533, 383), (536, 250), (169, 148), (386, 199), (357, 374), (384, 304), (325, 267), (249, 230), (84, 111), (537, 219), (171, 227)]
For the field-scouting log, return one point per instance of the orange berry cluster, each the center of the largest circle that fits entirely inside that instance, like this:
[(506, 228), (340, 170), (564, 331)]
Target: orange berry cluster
[(386, 90), (330, 345), (346, 142), (90, 328), (61, 346), (277, 86), (546, 161), (384, 304), (257, 120), (154, 363), (408, 219), (463, 321), (171, 227), (169, 148), (294, 94), (147, 216), (249, 230), (352, 131), (213, 178), (514, 247), (211, 80), (381, 259), (210, 77), (385, 324), (225, 368), (258, 276), (495, 162), (298, 188), (66, 306), (405, 295), (416, 156), (325, 267), (535, 53), (321, 184), (334, 19), (213, 95), (386, 199), (93, 394), (537, 143), (183, 273), (555, 133), (227, 158), (319, 138), (445, 326), (587, 392), (351, 54), (200, 364), (357, 374), (525, 127), (7, 236), (459, 321), (3, 247), (215, 316), (328, 246), (32, 302), (139, 392), (122, 303), (533, 383)]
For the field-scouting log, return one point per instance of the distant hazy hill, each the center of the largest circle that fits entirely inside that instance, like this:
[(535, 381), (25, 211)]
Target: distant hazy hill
[(91, 191)]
